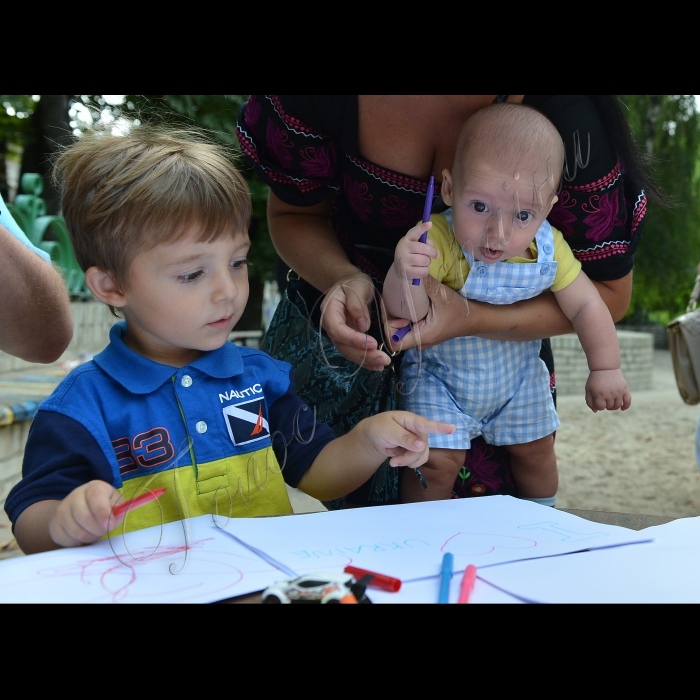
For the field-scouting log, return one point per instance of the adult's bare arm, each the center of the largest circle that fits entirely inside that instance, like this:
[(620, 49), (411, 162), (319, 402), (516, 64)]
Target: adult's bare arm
[(35, 318), (451, 316), (305, 240)]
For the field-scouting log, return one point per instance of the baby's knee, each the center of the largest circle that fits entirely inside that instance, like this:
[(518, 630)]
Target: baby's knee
[(441, 460)]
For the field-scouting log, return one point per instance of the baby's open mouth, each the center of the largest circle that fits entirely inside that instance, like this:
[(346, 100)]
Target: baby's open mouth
[(491, 253)]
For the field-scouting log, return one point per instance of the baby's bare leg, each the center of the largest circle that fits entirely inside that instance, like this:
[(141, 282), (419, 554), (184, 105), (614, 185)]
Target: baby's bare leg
[(439, 472), (534, 467)]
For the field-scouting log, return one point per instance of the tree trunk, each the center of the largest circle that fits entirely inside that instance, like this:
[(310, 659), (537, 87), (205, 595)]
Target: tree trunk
[(51, 132)]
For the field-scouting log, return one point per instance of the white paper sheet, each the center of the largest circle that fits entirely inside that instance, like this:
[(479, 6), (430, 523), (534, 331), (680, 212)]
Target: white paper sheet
[(426, 591), (666, 570), (155, 570), (408, 541)]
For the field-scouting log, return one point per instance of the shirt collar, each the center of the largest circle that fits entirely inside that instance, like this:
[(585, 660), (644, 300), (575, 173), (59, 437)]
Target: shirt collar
[(139, 375)]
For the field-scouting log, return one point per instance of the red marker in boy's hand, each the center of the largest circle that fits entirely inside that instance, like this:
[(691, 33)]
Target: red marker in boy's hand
[(137, 502)]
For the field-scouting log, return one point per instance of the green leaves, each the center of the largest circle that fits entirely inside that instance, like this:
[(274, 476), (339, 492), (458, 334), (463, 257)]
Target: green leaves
[(665, 264)]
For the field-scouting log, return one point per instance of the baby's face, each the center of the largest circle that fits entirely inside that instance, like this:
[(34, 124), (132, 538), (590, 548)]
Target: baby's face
[(497, 210), (183, 298)]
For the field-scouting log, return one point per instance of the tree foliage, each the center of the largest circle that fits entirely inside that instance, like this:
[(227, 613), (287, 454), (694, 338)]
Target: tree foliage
[(665, 264), (216, 114)]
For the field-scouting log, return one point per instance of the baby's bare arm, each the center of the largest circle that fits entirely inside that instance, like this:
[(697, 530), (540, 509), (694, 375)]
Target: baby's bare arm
[(411, 261), (583, 306)]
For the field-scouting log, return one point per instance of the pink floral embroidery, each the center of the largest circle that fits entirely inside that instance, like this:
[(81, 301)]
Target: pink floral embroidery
[(252, 111), (358, 197), (560, 217), (399, 213), (318, 162), (602, 218), (278, 142), (483, 469)]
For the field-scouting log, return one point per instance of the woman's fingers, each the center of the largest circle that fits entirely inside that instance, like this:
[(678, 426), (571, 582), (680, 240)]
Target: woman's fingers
[(359, 294), (448, 311), (345, 312)]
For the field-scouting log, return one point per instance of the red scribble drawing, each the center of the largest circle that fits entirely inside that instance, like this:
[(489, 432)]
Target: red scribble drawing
[(474, 544), (211, 572)]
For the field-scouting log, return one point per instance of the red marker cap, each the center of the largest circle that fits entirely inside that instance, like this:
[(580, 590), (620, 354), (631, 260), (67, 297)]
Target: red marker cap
[(385, 583)]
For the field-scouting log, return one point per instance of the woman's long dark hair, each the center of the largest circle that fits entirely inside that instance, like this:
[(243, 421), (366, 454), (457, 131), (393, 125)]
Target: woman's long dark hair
[(635, 162)]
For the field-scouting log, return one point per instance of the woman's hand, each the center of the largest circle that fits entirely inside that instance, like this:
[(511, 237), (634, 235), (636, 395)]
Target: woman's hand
[(450, 316), (345, 316)]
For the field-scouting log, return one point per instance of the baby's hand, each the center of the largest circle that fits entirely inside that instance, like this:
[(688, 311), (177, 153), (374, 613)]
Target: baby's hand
[(412, 258), (83, 515), (404, 435), (607, 388)]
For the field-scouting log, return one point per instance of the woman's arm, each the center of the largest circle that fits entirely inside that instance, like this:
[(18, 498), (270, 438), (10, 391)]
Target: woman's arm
[(35, 318), (451, 316), (305, 240)]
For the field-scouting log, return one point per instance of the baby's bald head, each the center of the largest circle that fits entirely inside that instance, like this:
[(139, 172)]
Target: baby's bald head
[(510, 137)]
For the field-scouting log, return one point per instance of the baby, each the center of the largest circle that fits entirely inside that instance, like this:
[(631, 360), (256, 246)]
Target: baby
[(495, 245)]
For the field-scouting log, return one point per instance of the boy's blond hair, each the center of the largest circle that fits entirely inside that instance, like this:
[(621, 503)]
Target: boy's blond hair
[(122, 194)]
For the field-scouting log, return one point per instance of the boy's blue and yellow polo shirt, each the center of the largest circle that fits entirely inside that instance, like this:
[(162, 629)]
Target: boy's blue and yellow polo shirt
[(221, 434)]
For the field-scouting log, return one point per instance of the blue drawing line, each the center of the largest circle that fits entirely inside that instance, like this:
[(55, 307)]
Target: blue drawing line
[(265, 557)]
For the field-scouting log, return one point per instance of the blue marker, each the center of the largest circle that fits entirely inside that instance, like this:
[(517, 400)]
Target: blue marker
[(445, 577)]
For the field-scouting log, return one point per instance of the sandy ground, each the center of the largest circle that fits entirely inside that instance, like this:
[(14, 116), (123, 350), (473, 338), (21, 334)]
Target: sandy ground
[(639, 461)]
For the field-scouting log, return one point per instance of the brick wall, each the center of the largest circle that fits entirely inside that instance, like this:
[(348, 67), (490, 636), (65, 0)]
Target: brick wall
[(636, 351)]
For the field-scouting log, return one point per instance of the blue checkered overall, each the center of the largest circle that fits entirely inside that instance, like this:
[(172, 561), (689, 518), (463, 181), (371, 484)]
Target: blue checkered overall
[(495, 388)]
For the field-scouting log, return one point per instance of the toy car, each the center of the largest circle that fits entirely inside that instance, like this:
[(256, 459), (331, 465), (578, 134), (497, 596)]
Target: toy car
[(319, 588)]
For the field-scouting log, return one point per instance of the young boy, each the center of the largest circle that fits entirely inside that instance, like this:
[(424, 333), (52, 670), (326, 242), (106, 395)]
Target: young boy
[(158, 221), (494, 245)]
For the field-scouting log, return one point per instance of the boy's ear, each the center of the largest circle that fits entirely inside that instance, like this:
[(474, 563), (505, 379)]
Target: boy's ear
[(103, 286), (446, 190)]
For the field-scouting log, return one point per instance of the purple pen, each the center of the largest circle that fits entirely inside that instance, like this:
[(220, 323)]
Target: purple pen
[(400, 333), (426, 215)]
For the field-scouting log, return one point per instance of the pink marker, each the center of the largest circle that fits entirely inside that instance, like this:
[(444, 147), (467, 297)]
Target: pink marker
[(467, 585)]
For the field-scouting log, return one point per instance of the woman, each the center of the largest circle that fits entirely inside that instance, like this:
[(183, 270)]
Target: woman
[(348, 177)]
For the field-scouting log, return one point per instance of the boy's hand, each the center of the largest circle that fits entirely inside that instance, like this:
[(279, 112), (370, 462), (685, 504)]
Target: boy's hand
[(607, 389), (404, 435), (84, 514), (412, 258)]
